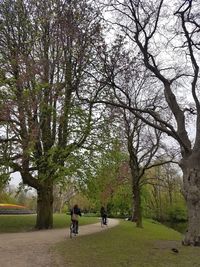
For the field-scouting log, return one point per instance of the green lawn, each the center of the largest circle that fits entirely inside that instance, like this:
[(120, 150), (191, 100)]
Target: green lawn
[(125, 245), (24, 223)]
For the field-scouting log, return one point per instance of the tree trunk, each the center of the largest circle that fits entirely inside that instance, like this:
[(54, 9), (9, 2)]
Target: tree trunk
[(137, 213), (191, 191), (45, 207)]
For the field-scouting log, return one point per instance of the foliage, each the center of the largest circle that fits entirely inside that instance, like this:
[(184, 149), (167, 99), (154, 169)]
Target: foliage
[(21, 196), (159, 35), (121, 202), (47, 53), (103, 184), (7, 198), (4, 177), (24, 223), (162, 197), (177, 213), (86, 205)]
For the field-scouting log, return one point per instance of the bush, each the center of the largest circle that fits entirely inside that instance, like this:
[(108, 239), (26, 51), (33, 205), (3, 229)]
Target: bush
[(13, 209), (177, 214)]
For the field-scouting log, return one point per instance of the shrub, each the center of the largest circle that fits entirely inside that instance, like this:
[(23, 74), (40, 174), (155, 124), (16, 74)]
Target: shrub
[(13, 209)]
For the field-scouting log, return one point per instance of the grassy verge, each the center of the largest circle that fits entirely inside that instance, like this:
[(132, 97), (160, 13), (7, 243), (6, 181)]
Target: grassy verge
[(24, 223), (125, 245)]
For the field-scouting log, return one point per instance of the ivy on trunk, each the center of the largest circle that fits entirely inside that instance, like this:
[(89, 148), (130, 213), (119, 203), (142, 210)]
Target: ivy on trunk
[(45, 207)]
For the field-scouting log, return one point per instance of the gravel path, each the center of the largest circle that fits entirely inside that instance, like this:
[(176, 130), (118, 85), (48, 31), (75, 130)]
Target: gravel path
[(33, 248)]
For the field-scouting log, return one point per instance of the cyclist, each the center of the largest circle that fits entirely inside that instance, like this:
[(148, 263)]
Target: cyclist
[(103, 215), (75, 213)]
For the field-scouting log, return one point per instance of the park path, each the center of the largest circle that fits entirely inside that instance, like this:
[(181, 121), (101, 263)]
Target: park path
[(32, 249)]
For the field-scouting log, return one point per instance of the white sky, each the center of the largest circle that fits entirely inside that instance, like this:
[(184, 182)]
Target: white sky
[(15, 179)]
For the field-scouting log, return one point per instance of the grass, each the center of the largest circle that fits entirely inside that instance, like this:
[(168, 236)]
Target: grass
[(128, 246), (24, 223)]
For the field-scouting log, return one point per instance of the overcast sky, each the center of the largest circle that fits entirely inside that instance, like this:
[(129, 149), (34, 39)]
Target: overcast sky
[(15, 178)]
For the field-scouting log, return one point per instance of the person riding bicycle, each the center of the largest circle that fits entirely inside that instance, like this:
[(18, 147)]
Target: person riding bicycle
[(103, 215), (75, 213)]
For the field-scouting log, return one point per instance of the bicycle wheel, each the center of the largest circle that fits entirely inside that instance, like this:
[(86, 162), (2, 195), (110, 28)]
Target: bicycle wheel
[(71, 230), (101, 222), (104, 223)]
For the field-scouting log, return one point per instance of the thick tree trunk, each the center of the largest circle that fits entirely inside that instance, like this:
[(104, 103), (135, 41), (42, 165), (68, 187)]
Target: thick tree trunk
[(45, 207), (191, 190), (137, 213)]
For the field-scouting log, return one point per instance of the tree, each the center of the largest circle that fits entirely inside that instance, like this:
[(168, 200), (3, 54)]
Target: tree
[(47, 49), (109, 174), (129, 82), (143, 147), (163, 199), (172, 57)]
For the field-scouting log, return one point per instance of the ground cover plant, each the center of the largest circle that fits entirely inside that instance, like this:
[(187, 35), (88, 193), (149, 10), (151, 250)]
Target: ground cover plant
[(14, 209), (126, 245), (24, 223)]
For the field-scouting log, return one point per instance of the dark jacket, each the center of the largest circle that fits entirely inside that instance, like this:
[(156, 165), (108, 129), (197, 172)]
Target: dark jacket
[(76, 210), (103, 212)]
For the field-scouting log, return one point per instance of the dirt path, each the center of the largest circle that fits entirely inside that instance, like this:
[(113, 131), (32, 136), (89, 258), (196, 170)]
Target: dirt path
[(33, 248)]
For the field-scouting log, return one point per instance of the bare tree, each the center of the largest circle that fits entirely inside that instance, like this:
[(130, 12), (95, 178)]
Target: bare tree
[(172, 57), (143, 147), (164, 186), (129, 81)]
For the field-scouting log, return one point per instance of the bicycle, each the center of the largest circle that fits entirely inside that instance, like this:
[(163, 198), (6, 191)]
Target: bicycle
[(72, 229), (102, 222)]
